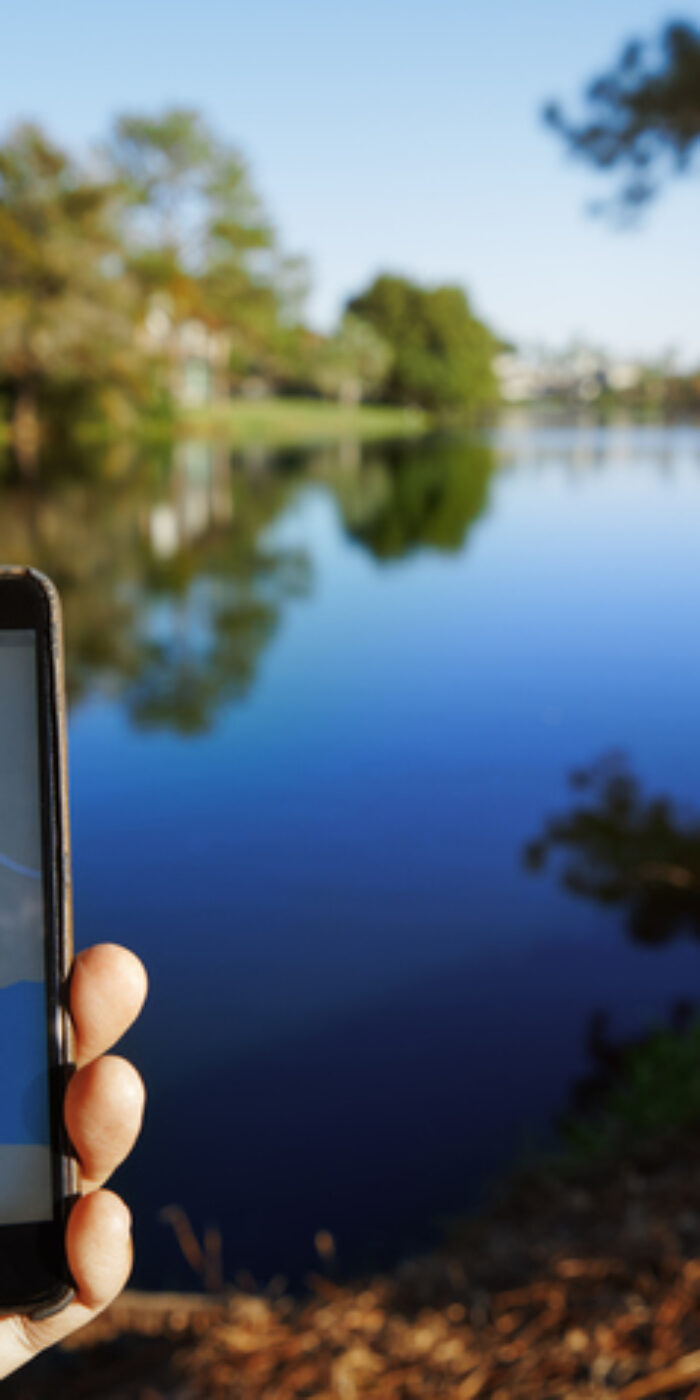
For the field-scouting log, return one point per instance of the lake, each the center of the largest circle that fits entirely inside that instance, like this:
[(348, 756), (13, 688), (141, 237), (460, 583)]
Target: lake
[(365, 744)]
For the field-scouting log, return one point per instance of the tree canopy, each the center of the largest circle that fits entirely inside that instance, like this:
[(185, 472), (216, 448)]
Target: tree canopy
[(166, 211), (642, 117), (193, 223), (66, 301), (442, 354), (151, 272)]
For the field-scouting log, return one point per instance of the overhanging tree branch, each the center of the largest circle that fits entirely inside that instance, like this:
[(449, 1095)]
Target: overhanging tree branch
[(643, 116)]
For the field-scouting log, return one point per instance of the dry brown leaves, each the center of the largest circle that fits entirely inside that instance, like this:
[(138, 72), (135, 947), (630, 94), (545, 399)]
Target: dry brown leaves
[(562, 1293)]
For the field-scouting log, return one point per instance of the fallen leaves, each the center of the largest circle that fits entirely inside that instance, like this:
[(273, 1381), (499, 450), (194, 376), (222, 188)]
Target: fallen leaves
[(563, 1291)]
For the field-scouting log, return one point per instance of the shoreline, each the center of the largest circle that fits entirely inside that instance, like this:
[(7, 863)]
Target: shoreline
[(273, 422), (298, 422), (583, 1285)]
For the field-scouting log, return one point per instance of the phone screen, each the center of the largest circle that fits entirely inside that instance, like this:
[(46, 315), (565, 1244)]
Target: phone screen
[(26, 1189)]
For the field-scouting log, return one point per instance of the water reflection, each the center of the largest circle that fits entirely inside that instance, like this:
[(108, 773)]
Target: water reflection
[(172, 583), (380, 1003), (591, 446), (170, 590), (423, 496), (621, 848)]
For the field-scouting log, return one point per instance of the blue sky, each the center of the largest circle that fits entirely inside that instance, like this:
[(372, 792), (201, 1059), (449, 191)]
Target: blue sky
[(393, 134)]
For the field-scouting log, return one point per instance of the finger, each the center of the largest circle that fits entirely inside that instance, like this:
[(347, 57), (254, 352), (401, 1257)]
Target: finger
[(107, 990), (98, 1241), (104, 1110)]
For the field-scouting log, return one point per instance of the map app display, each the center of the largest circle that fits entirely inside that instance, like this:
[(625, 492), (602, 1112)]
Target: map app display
[(25, 1152)]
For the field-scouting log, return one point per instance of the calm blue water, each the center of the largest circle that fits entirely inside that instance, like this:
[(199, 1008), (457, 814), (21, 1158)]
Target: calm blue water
[(321, 706)]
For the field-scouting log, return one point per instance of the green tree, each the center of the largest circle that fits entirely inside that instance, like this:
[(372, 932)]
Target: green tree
[(643, 116), (353, 364), (197, 230), (168, 221), (442, 353), (66, 301)]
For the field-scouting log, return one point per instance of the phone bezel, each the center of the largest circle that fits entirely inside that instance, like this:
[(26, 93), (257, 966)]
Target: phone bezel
[(34, 1273)]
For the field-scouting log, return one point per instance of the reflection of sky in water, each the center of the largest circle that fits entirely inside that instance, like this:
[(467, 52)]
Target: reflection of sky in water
[(185, 625), (328, 885)]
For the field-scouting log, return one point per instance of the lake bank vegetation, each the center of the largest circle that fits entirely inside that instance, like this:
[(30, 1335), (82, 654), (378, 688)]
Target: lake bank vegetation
[(289, 422), (149, 282), (145, 290)]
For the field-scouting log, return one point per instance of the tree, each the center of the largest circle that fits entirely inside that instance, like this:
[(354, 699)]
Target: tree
[(196, 228), (167, 221), (354, 363), (643, 116), (66, 301), (442, 353)]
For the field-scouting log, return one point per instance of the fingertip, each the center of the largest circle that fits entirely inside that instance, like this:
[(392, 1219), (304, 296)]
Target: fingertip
[(107, 961), (134, 972), (107, 990), (103, 1113), (99, 1247)]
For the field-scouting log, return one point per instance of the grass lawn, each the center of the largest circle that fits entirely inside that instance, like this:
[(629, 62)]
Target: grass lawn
[(269, 422), (286, 422)]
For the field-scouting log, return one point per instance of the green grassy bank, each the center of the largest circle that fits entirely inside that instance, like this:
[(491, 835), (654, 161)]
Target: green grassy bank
[(273, 422), (288, 422)]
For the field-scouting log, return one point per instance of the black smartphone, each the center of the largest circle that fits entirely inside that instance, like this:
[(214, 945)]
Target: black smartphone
[(38, 1174)]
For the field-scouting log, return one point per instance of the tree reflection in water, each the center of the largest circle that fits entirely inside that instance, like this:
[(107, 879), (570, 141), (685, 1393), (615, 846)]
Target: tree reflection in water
[(171, 584), (410, 496), (170, 592), (641, 854), (624, 849)]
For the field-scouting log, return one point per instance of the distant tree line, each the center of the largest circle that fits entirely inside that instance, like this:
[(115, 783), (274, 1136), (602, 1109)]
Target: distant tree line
[(158, 253)]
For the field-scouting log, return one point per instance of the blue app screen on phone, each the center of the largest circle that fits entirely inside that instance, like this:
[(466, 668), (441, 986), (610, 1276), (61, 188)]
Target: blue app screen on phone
[(25, 1154)]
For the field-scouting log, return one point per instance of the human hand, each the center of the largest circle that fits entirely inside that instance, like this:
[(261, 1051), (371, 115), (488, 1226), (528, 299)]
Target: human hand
[(103, 1112)]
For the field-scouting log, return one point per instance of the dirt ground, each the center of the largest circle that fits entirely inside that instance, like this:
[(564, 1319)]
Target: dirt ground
[(566, 1288)]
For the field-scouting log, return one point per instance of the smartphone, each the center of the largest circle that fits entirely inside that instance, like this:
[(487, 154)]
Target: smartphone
[(38, 1174)]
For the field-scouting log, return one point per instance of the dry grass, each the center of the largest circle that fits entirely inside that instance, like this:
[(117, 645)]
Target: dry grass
[(565, 1290)]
